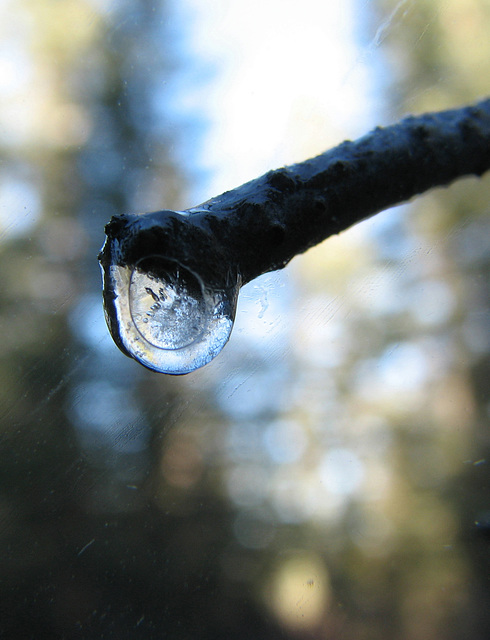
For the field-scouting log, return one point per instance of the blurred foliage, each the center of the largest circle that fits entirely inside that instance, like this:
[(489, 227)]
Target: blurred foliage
[(328, 475)]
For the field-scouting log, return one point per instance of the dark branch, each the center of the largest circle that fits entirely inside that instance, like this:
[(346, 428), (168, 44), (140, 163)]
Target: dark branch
[(261, 225)]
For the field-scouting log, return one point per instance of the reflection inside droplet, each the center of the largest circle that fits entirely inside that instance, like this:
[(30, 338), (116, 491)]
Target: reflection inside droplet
[(169, 305), (162, 314)]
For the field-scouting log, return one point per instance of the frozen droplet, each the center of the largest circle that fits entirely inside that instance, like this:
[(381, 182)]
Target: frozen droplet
[(165, 316), (169, 305)]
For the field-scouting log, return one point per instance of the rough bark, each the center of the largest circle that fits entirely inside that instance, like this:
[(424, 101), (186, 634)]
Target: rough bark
[(261, 225)]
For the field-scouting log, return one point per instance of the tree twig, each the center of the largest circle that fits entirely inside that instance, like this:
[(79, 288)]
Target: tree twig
[(261, 225)]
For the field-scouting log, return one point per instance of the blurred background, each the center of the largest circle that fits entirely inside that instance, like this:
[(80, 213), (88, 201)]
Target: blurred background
[(327, 476)]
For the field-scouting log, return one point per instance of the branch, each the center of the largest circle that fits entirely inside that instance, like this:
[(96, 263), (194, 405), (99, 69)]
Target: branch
[(261, 225)]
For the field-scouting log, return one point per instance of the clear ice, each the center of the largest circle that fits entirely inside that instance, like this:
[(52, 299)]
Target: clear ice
[(167, 318)]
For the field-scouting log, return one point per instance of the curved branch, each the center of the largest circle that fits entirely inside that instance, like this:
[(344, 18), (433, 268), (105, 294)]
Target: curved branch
[(171, 278)]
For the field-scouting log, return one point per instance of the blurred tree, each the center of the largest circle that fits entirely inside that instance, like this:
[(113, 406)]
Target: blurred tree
[(93, 545), (320, 495), (451, 60)]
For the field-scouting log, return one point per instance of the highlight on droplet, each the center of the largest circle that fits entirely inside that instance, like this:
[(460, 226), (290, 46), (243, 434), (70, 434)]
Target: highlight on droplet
[(165, 315)]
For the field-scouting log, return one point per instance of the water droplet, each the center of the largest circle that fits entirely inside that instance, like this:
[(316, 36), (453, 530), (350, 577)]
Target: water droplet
[(174, 303), (166, 316)]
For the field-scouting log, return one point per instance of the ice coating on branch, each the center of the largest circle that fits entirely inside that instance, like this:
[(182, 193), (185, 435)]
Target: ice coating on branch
[(162, 314)]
